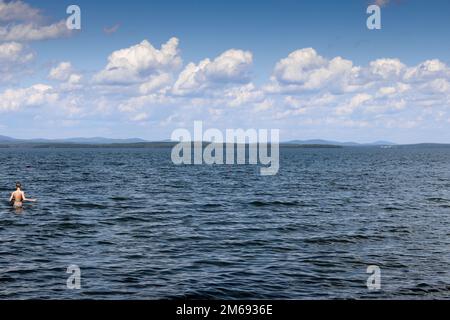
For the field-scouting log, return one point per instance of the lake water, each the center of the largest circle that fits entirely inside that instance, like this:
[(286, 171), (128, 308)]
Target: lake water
[(141, 228)]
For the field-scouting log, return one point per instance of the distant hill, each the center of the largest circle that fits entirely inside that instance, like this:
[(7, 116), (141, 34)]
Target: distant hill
[(6, 139), (136, 142), (426, 145), (97, 140), (337, 143), (94, 140)]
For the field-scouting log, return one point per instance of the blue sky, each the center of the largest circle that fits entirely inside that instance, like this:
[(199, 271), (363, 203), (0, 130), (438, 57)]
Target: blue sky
[(309, 68)]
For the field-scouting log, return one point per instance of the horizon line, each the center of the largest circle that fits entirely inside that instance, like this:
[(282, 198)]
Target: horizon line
[(143, 140)]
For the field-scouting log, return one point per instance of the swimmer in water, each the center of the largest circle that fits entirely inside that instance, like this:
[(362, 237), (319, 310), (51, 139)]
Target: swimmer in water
[(18, 197)]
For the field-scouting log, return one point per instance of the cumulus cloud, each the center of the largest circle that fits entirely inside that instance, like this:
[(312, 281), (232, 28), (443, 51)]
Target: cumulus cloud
[(305, 89), (15, 53), (298, 66), (140, 117), (21, 22), (305, 70), (155, 83), (13, 57), (304, 85), (396, 89), (18, 11), (30, 32), (135, 104), (354, 103), (66, 75), (36, 95), (437, 86), (426, 70), (61, 72), (231, 67), (139, 62), (307, 86), (244, 95), (387, 68)]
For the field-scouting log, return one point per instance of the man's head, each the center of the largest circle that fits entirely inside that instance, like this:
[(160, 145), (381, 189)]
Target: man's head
[(18, 185)]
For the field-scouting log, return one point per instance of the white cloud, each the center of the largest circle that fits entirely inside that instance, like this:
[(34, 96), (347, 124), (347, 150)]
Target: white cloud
[(395, 89), (315, 101), (308, 84), (305, 89), (387, 68), (61, 72), (140, 117), (14, 52), (155, 83), (36, 95), (297, 67), (305, 70), (354, 103), (32, 32), (137, 103), (264, 105), (74, 78), (437, 86), (231, 67), (139, 63), (67, 76), (72, 106), (380, 107), (429, 69), (18, 11), (20, 22), (243, 95), (13, 57)]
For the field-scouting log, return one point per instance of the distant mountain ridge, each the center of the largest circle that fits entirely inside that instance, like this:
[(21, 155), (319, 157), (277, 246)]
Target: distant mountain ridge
[(93, 140), (337, 143), (5, 140)]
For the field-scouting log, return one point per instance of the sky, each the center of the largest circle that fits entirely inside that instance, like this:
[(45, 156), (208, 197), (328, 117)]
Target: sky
[(311, 69)]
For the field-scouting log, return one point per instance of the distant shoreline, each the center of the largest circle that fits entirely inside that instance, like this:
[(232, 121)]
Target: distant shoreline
[(140, 145), (149, 145)]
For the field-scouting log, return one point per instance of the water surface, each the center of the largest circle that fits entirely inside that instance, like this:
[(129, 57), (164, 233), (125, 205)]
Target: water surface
[(141, 228)]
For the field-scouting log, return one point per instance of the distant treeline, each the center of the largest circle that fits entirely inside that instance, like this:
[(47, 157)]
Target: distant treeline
[(141, 145)]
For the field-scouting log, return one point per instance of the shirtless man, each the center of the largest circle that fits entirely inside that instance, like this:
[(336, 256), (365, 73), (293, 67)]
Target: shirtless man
[(19, 197)]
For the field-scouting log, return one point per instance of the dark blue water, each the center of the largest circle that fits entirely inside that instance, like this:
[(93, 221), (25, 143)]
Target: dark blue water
[(141, 228)]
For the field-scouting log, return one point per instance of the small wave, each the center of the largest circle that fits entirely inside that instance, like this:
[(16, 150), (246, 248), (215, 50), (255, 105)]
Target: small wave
[(212, 205), (88, 206), (437, 199), (337, 239), (130, 218), (258, 203), (71, 225), (6, 278), (392, 208), (426, 289), (215, 263), (120, 199)]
